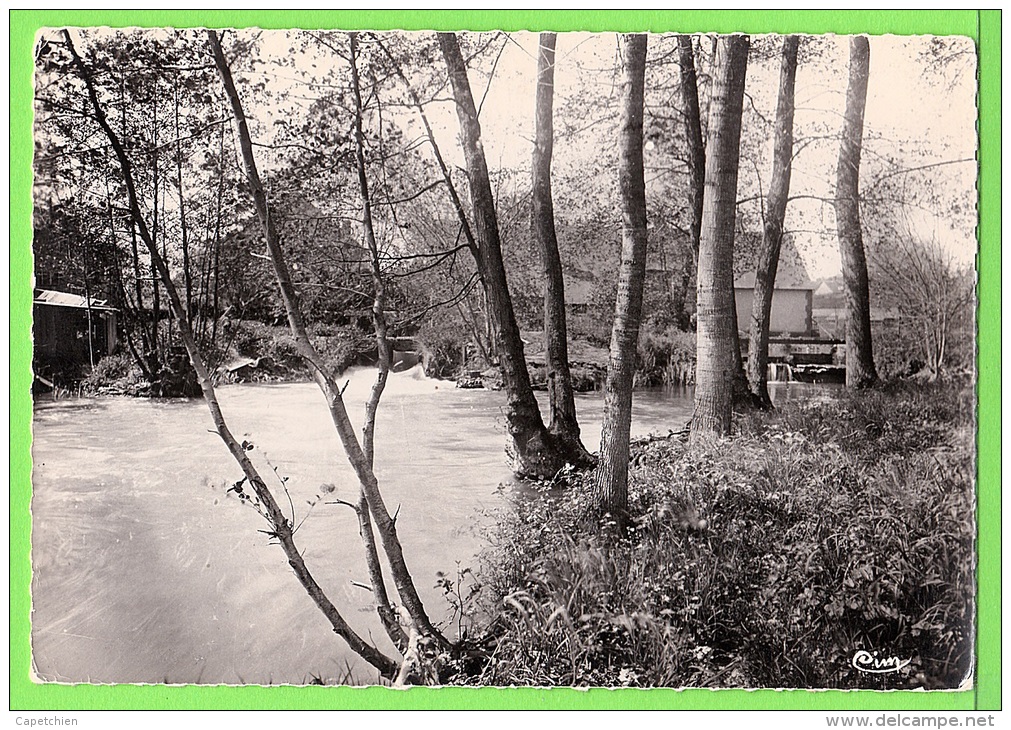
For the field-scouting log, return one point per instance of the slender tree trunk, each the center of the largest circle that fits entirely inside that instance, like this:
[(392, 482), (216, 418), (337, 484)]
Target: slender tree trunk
[(281, 527), (696, 149), (612, 470), (470, 318), (772, 234), (87, 305), (146, 345), (130, 313), (383, 607), (184, 233), (384, 522), (696, 146), (217, 237), (535, 451), (559, 379), (860, 371), (145, 336), (155, 295), (717, 335)]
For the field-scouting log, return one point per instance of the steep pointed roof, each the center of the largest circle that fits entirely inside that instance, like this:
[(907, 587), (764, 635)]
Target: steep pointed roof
[(790, 274)]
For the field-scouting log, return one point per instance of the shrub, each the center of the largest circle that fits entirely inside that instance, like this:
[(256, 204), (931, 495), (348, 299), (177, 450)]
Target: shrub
[(592, 326), (764, 562), (443, 342), (344, 345), (115, 374), (339, 345), (255, 339), (666, 356)]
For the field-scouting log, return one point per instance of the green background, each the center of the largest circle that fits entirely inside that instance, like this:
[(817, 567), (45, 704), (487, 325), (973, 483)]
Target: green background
[(983, 26)]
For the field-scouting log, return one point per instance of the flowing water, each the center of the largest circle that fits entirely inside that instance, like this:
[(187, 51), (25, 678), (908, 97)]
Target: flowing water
[(146, 569)]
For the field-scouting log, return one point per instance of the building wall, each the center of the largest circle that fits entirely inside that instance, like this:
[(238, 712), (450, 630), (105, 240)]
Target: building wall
[(61, 333), (791, 311)]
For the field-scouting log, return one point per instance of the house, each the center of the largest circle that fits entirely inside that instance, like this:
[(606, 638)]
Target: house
[(791, 313), (61, 326), (792, 297)]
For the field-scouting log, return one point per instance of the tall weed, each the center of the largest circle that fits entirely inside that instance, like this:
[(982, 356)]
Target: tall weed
[(767, 560)]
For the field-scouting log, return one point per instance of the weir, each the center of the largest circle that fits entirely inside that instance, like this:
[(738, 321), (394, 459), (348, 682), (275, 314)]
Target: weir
[(779, 372)]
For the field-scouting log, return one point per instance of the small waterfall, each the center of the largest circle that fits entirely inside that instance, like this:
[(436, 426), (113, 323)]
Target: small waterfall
[(780, 372)]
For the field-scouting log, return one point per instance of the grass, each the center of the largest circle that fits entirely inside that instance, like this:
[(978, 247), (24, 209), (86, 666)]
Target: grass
[(767, 561)]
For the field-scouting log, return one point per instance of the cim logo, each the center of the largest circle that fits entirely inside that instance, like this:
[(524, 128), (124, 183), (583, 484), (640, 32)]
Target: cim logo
[(872, 663)]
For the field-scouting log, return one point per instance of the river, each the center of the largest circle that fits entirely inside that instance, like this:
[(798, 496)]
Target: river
[(145, 570)]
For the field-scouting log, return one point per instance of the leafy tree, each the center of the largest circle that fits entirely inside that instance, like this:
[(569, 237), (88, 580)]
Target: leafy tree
[(360, 457), (158, 104), (536, 451), (919, 281), (282, 527), (695, 143)]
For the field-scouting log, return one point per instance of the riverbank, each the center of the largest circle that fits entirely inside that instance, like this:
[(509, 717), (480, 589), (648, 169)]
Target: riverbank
[(817, 532), (260, 353)]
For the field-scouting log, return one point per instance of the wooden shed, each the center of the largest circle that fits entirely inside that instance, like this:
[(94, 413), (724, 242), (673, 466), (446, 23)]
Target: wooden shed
[(61, 328)]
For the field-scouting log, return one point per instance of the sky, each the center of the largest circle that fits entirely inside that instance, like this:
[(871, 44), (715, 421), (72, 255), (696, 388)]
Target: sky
[(920, 112), (930, 116)]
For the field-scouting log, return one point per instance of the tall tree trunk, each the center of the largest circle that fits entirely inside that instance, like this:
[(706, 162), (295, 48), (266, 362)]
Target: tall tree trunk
[(183, 232), (155, 356), (860, 370), (716, 334), (145, 334), (146, 344), (535, 451), (612, 471), (383, 521), (772, 234), (87, 305), (559, 379), (696, 148), (282, 528), (215, 314), (696, 190), (129, 310)]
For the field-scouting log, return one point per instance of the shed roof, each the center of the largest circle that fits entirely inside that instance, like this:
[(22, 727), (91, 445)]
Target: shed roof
[(747, 281), (791, 273), (66, 299)]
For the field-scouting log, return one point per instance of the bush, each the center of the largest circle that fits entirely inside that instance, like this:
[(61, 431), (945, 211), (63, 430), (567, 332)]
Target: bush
[(115, 374), (765, 564), (666, 357), (344, 345), (255, 339), (339, 345), (443, 343), (592, 326)]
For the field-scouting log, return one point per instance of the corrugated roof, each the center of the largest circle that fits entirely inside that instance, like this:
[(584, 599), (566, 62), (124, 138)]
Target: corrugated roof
[(66, 299)]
